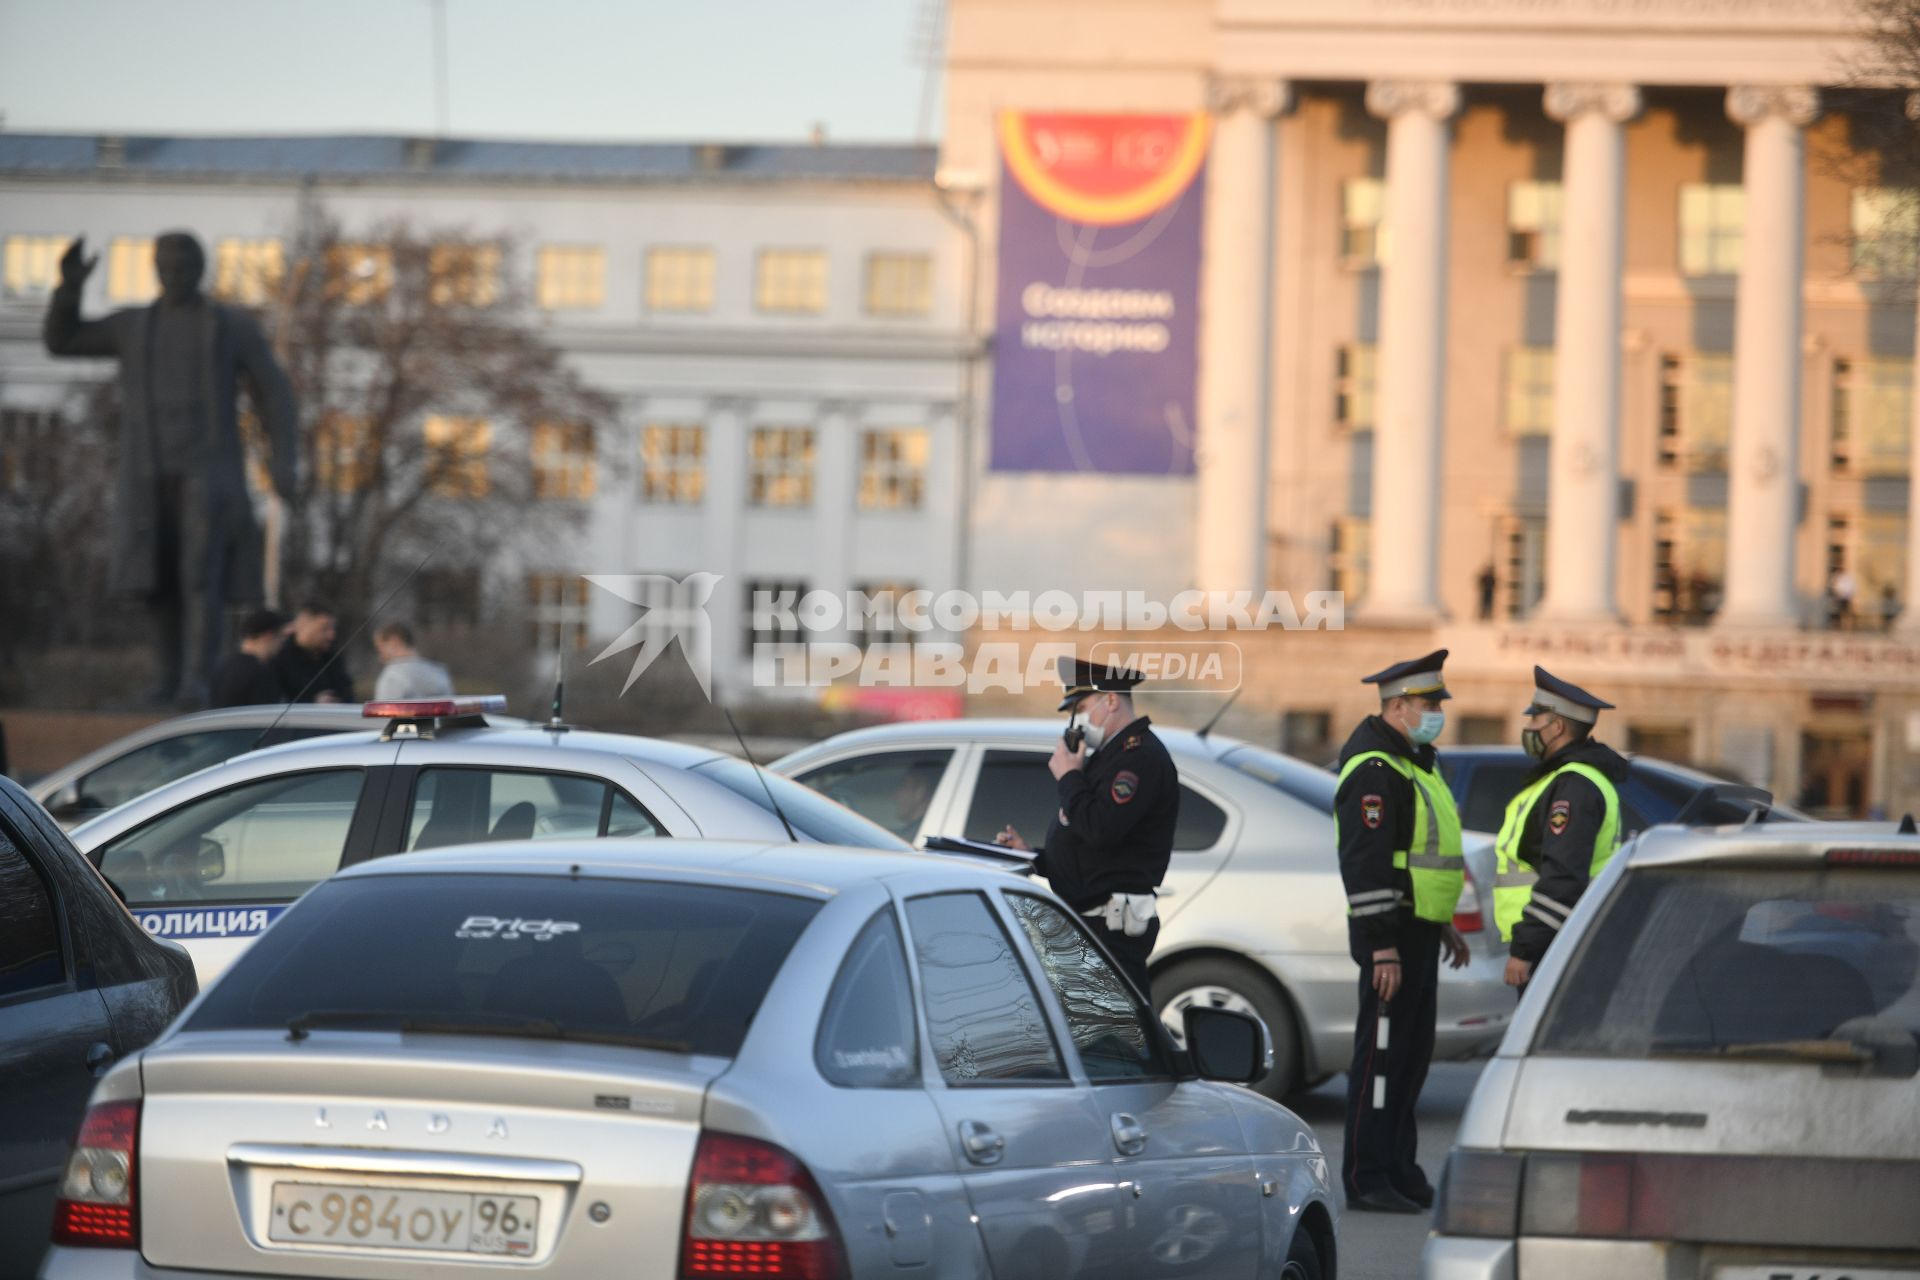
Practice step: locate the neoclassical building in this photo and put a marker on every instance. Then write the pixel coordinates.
(1569, 331)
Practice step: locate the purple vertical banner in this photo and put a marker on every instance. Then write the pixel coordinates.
(1097, 319)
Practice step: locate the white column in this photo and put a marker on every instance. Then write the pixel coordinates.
(835, 493)
(1411, 401)
(722, 502)
(1237, 303)
(1583, 487)
(1764, 475)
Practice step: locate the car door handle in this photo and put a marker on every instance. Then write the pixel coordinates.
(1129, 1135)
(981, 1143)
(99, 1057)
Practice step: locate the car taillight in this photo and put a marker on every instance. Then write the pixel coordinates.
(754, 1210)
(1467, 920)
(1480, 1195)
(97, 1206)
(1874, 857)
(1590, 1196)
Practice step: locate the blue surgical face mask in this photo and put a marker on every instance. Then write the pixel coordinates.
(1431, 723)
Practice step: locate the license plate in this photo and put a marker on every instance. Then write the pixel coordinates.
(1802, 1271)
(310, 1213)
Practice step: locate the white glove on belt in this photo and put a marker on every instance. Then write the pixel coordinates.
(1130, 913)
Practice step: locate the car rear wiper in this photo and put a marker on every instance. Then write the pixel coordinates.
(474, 1024)
(1838, 1051)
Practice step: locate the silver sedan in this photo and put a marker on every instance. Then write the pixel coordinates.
(694, 1058)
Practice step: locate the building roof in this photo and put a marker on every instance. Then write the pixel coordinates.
(350, 157)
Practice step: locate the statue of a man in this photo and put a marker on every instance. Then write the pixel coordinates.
(184, 536)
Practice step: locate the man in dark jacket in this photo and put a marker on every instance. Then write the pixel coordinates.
(1402, 865)
(243, 678)
(307, 666)
(1108, 847)
(1561, 830)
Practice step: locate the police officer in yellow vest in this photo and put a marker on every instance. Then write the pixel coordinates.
(1561, 829)
(1401, 863)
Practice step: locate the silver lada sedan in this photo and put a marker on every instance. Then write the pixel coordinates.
(694, 1059)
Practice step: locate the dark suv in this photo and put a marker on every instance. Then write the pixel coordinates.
(1484, 779)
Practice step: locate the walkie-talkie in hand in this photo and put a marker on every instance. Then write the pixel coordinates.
(1074, 736)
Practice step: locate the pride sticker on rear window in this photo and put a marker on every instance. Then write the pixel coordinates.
(514, 929)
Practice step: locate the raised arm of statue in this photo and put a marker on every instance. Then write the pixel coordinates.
(273, 401)
(66, 334)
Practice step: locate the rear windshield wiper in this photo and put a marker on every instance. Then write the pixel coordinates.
(473, 1024)
(1784, 1050)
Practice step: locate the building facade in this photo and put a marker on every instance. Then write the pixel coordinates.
(781, 329)
(1579, 332)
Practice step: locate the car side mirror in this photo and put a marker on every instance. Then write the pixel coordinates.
(209, 861)
(1227, 1046)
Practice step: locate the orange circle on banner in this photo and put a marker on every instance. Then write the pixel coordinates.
(1103, 170)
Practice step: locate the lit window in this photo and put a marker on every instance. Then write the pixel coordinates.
(130, 274)
(1689, 563)
(899, 284)
(464, 275)
(673, 463)
(359, 274)
(1352, 539)
(1696, 410)
(343, 453)
(780, 467)
(879, 618)
(1530, 391)
(563, 460)
(770, 610)
(679, 279)
(1872, 416)
(1522, 573)
(571, 277)
(893, 469)
(791, 280)
(1713, 224)
(1363, 222)
(1881, 560)
(1533, 225)
(557, 611)
(1353, 383)
(457, 456)
(248, 272)
(33, 265)
(1886, 227)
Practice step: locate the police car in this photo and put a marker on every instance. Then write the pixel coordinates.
(211, 860)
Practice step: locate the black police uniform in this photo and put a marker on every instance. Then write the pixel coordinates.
(1374, 810)
(1113, 832)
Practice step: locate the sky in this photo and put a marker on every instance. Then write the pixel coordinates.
(724, 70)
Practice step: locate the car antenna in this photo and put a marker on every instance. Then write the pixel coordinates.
(341, 648)
(555, 724)
(1207, 728)
(765, 785)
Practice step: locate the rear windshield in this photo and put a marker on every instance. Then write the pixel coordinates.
(1710, 959)
(671, 965)
(1312, 787)
(814, 817)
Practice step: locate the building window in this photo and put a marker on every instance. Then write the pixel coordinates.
(668, 608)
(899, 284)
(1672, 743)
(1689, 563)
(880, 620)
(1363, 223)
(893, 469)
(447, 597)
(343, 453)
(1886, 231)
(771, 602)
(792, 281)
(679, 279)
(33, 265)
(248, 272)
(563, 460)
(673, 463)
(1872, 416)
(1347, 558)
(1307, 735)
(1882, 567)
(1713, 223)
(570, 277)
(780, 467)
(1696, 410)
(359, 274)
(1353, 384)
(1533, 225)
(130, 274)
(24, 437)
(1484, 731)
(464, 275)
(557, 611)
(457, 456)
(1530, 391)
(1522, 564)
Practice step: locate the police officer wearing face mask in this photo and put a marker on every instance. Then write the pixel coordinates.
(1403, 869)
(1561, 830)
(1108, 846)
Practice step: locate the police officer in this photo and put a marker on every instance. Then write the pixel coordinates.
(1108, 846)
(1401, 864)
(1561, 830)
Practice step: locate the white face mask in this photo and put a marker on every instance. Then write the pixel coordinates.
(1094, 734)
